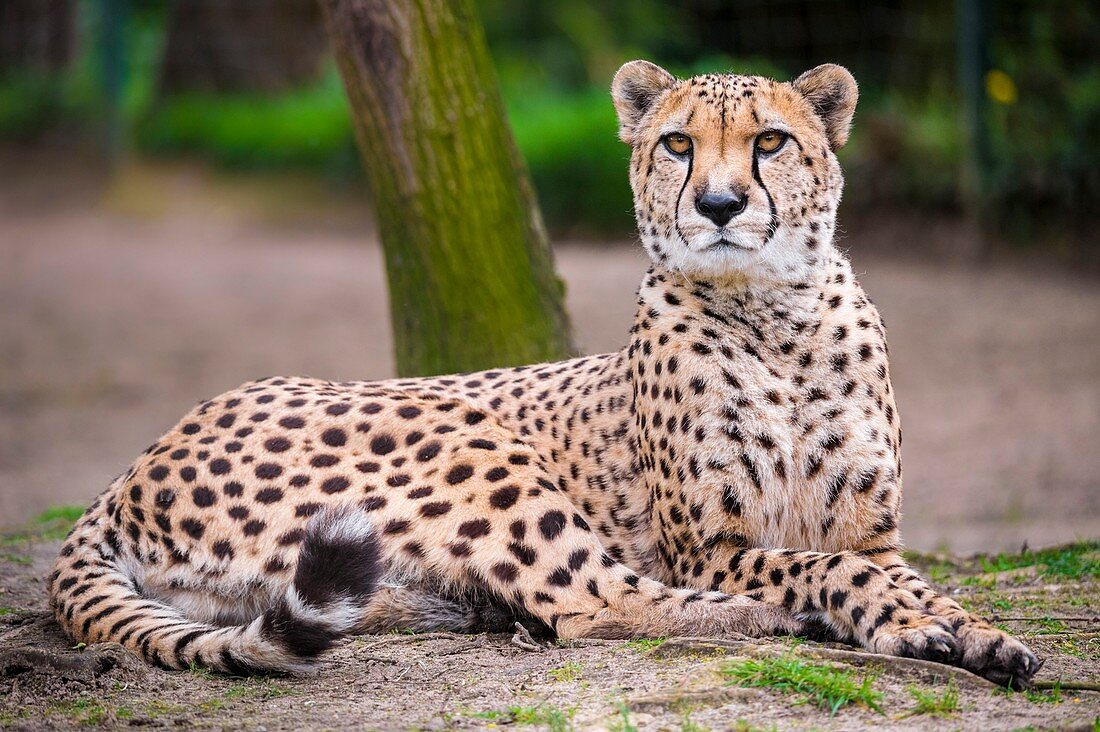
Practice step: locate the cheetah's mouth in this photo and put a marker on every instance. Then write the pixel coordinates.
(724, 243)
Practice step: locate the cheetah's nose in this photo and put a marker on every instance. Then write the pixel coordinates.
(721, 207)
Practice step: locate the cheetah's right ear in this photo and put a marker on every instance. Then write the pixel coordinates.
(636, 87)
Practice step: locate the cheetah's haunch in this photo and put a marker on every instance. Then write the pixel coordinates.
(736, 468)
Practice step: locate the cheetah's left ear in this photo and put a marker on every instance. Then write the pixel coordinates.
(636, 87)
(832, 92)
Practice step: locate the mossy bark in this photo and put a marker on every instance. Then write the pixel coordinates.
(470, 270)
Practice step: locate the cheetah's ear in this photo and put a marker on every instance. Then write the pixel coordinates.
(832, 92)
(636, 87)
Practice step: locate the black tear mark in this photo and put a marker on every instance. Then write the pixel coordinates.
(680, 195)
(773, 225)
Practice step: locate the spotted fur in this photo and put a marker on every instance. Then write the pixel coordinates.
(735, 468)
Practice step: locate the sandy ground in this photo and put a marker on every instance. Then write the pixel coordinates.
(442, 681)
(123, 303)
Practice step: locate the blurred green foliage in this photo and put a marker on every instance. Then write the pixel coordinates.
(555, 61)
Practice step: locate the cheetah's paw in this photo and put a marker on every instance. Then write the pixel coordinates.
(925, 637)
(996, 655)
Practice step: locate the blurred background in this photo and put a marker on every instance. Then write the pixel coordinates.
(182, 209)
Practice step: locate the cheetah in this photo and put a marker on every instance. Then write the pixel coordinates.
(734, 469)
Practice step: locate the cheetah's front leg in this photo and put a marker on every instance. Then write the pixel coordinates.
(855, 597)
(984, 650)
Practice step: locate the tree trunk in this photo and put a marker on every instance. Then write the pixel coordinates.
(471, 274)
(242, 45)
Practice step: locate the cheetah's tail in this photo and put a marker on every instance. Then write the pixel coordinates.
(95, 600)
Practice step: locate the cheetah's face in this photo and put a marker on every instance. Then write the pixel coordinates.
(735, 176)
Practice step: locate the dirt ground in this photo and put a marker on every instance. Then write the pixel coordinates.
(442, 681)
(124, 302)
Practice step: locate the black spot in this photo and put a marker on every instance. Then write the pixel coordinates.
(525, 554)
(277, 444)
(268, 471)
(269, 495)
(396, 526)
(483, 444)
(475, 528)
(382, 445)
(303, 510)
(435, 508)
(324, 460)
(335, 484)
(372, 503)
(505, 572)
(190, 428)
(577, 559)
(459, 473)
(203, 497)
(503, 498)
(551, 524)
(292, 423)
(334, 437)
(193, 528)
(560, 577)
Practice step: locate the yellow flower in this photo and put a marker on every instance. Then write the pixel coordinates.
(1000, 87)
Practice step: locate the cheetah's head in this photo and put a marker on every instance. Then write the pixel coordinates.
(735, 176)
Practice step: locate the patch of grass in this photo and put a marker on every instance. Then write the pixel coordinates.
(87, 711)
(1049, 626)
(1088, 650)
(255, 689)
(825, 686)
(16, 558)
(1036, 696)
(622, 723)
(687, 725)
(1078, 561)
(5, 610)
(53, 524)
(567, 672)
(943, 704)
(939, 572)
(557, 720)
(641, 645)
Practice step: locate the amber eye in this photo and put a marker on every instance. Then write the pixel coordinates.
(677, 143)
(770, 141)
